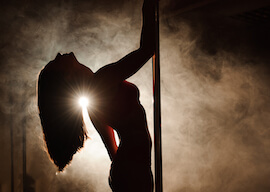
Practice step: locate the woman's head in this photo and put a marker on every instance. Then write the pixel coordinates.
(60, 84)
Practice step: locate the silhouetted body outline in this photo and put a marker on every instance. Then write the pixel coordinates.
(116, 106)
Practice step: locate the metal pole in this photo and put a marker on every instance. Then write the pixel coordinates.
(11, 146)
(24, 155)
(157, 109)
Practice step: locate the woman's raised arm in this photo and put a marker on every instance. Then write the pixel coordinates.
(131, 63)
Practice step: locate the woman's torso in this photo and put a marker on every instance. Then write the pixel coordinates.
(125, 114)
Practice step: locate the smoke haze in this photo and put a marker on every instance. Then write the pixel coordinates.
(215, 94)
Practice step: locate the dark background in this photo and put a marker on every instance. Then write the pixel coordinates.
(215, 74)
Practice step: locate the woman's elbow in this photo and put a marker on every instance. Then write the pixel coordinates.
(148, 44)
(148, 51)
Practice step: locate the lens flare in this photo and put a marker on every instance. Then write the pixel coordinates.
(85, 104)
(83, 101)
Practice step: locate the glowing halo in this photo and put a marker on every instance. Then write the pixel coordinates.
(83, 102)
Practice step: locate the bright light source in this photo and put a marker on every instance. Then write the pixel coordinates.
(83, 101)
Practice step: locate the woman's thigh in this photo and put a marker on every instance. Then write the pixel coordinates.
(131, 177)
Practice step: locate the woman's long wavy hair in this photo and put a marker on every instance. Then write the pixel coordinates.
(60, 115)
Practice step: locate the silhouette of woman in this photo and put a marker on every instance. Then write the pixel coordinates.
(116, 106)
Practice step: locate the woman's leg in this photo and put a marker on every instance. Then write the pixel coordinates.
(133, 177)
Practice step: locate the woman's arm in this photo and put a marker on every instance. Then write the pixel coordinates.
(131, 63)
(107, 136)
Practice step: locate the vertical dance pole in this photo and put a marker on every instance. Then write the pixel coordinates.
(24, 155)
(157, 109)
(11, 146)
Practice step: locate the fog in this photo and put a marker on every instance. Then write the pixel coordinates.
(214, 90)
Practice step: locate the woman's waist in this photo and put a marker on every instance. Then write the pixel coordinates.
(121, 119)
(133, 154)
(135, 138)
